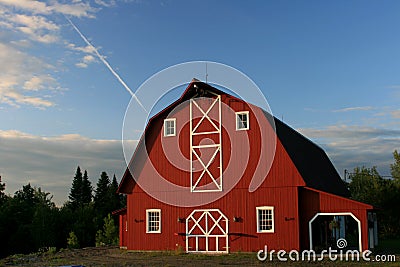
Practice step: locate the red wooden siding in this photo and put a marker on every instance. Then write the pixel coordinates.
(313, 201)
(239, 203)
(123, 223)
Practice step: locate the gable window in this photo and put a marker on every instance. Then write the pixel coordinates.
(170, 127)
(242, 120)
(265, 219)
(153, 221)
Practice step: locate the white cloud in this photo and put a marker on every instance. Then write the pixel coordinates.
(29, 24)
(76, 9)
(105, 3)
(354, 109)
(37, 83)
(81, 65)
(396, 114)
(346, 131)
(21, 75)
(50, 162)
(85, 49)
(34, 22)
(88, 58)
(352, 146)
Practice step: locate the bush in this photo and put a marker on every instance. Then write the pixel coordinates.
(72, 241)
(109, 235)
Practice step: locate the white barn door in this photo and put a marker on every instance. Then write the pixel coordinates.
(205, 144)
(207, 232)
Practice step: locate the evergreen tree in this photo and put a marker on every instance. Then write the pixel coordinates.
(86, 189)
(116, 199)
(3, 196)
(75, 195)
(395, 167)
(101, 192)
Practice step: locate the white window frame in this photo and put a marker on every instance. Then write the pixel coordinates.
(165, 127)
(148, 231)
(237, 120)
(270, 208)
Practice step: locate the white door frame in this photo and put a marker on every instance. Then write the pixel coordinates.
(207, 231)
(216, 178)
(335, 214)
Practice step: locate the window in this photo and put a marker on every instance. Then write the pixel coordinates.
(242, 120)
(169, 127)
(265, 219)
(153, 221)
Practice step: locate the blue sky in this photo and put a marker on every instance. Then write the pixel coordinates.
(331, 69)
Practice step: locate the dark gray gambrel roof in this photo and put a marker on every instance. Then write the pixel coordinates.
(310, 160)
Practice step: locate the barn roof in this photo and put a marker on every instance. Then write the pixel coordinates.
(310, 160)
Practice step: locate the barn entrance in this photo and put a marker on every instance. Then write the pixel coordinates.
(335, 230)
(207, 231)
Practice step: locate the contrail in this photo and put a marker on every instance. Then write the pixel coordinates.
(101, 57)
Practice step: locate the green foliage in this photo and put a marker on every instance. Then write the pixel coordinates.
(72, 240)
(86, 189)
(3, 196)
(368, 186)
(101, 197)
(106, 199)
(395, 167)
(109, 234)
(81, 190)
(75, 195)
(30, 221)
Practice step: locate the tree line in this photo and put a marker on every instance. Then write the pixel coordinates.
(368, 186)
(30, 220)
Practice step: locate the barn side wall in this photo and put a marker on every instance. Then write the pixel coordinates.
(238, 203)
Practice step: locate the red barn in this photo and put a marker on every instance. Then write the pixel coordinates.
(215, 174)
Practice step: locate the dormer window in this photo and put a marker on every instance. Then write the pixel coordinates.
(170, 127)
(242, 120)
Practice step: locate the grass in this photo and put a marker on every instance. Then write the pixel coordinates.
(113, 256)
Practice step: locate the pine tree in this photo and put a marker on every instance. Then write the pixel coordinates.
(86, 189)
(2, 194)
(101, 192)
(395, 167)
(75, 195)
(116, 199)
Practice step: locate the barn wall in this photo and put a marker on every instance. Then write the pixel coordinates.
(313, 201)
(123, 219)
(238, 203)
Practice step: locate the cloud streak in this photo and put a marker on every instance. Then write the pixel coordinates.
(105, 62)
(366, 108)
